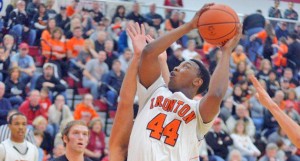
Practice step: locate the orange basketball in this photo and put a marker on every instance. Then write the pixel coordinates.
(218, 24)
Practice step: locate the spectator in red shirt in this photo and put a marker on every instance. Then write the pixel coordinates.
(31, 107)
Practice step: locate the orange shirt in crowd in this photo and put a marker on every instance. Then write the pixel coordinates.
(279, 60)
(263, 36)
(57, 46)
(237, 58)
(46, 36)
(84, 112)
(70, 11)
(75, 45)
(207, 47)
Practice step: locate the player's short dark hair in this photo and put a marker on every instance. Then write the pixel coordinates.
(15, 114)
(68, 127)
(204, 75)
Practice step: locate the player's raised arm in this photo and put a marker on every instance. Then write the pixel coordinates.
(149, 69)
(290, 127)
(210, 104)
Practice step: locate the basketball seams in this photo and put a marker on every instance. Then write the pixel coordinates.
(236, 21)
(222, 36)
(217, 23)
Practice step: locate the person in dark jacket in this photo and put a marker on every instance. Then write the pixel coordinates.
(48, 80)
(293, 55)
(5, 105)
(253, 23)
(218, 140)
(62, 20)
(111, 54)
(112, 82)
(15, 89)
(135, 14)
(4, 64)
(153, 17)
(176, 58)
(32, 8)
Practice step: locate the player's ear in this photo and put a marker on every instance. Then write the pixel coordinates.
(197, 82)
(65, 139)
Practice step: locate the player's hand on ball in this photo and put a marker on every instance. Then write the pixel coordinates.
(233, 42)
(138, 37)
(194, 21)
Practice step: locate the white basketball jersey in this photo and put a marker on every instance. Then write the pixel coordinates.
(168, 126)
(12, 154)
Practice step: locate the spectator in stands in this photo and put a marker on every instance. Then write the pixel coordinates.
(31, 108)
(40, 20)
(289, 76)
(120, 13)
(24, 62)
(272, 84)
(257, 113)
(85, 110)
(190, 52)
(271, 153)
(45, 100)
(241, 114)
(226, 109)
(59, 112)
(71, 9)
(15, 88)
(173, 22)
(237, 94)
(290, 110)
(111, 84)
(96, 12)
(9, 44)
(235, 155)
(282, 48)
(291, 14)
(253, 24)
(110, 53)
(154, 18)
(242, 142)
(270, 124)
(32, 8)
(176, 58)
(125, 59)
(62, 20)
(293, 55)
(238, 56)
(173, 3)
(99, 43)
(281, 30)
(218, 140)
(135, 14)
(292, 98)
(48, 80)
(240, 73)
(96, 147)
(38, 137)
(264, 70)
(275, 12)
(46, 34)
(216, 57)
(75, 44)
(93, 73)
(19, 24)
(297, 31)
(4, 64)
(5, 105)
(40, 124)
(87, 23)
(49, 9)
(5, 131)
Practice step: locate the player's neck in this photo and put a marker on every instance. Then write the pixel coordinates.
(188, 93)
(74, 155)
(17, 140)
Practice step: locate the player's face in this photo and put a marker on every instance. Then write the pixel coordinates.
(18, 127)
(77, 138)
(185, 76)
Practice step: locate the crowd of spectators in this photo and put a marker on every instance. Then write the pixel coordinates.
(81, 42)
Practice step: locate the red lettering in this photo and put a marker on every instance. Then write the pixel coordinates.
(159, 100)
(179, 103)
(152, 101)
(170, 105)
(166, 102)
(184, 110)
(191, 116)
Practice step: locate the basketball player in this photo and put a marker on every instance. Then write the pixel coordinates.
(290, 127)
(170, 124)
(16, 147)
(75, 137)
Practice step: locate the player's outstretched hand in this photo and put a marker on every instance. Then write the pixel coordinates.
(194, 21)
(261, 94)
(138, 37)
(233, 42)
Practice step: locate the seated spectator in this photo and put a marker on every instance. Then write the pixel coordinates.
(226, 109)
(4, 64)
(271, 153)
(99, 43)
(40, 20)
(235, 155)
(176, 58)
(153, 17)
(5, 131)
(40, 124)
(135, 14)
(93, 73)
(270, 124)
(173, 22)
(39, 137)
(48, 80)
(47, 33)
(45, 100)
(279, 99)
(24, 62)
(214, 60)
(257, 113)
(293, 56)
(31, 107)
(125, 59)
(297, 31)
(110, 53)
(237, 94)
(243, 143)
(290, 110)
(19, 24)
(15, 88)
(87, 23)
(49, 9)
(282, 49)
(240, 73)
(218, 140)
(59, 112)
(5, 105)
(272, 84)
(96, 12)
(124, 40)
(190, 52)
(71, 9)
(75, 44)
(289, 76)
(85, 110)
(241, 114)
(293, 100)
(9, 45)
(96, 147)
(32, 8)
(281, 30)
(264, 70)
(111, 84)
(62, 20)
(238, 56)
(120, 13)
